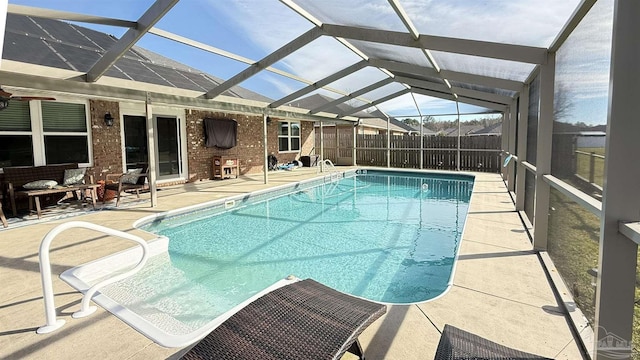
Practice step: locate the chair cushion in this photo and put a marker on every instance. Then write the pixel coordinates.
(73, 176)
(131, 176)
(40, 184)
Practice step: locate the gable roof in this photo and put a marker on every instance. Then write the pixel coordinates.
(495, 129)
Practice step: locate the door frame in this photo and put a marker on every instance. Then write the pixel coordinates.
(139, 109)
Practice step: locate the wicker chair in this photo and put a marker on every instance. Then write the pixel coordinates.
(303, 320)
(120, 184)
(457, 344)
(3, 219)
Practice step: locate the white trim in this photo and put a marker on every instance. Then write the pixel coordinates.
(37, 132)
(179, 115)
(289, 136)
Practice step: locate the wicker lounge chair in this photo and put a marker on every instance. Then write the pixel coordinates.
(457, 344)
(303, 320)
(127, 182)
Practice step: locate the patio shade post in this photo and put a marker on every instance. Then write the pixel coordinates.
(321, 147)
(458, 145)
(337, 143)
(266, 149)
(151, 148)
(616, 282)
(388, 142)
(355, 137)
(543, 153)
(504, 145)
(521, 151)
(511, 168)
(421, 143)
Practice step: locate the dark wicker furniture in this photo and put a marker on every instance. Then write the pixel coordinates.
(115, 183)
(457, 344)
(303, 320)
(16, 177)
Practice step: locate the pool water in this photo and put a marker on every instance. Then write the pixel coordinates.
(385, 236)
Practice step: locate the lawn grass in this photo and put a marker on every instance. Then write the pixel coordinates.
(573, 245)
(583, 165)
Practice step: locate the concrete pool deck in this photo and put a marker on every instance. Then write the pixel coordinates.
(500, 291)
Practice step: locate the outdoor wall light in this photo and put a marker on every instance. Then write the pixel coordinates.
(268, 120)
(108, 119)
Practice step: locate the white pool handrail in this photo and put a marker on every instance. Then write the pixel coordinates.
(52, 323)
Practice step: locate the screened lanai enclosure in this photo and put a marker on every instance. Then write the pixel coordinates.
(563, 75)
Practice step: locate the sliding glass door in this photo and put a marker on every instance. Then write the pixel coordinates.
(135, 140)
(169, 153)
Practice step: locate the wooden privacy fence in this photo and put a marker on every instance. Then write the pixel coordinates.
(477, 153)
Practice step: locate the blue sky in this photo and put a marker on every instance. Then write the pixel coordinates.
(254, 28)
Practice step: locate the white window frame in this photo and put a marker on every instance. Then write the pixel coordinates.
(37, 132)
(139, 109)
(289, 137)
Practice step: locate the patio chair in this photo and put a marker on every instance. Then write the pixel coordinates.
(303, 320)
(457, 344)
(3, 219)
(133, 180)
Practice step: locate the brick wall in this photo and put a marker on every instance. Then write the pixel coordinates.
(107, 146)
(249, 148)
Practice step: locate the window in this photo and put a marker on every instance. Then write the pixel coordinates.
(43, 132)
(65, 133)
(289, 137)
(16, 146)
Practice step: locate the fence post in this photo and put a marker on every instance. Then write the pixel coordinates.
(592, 166)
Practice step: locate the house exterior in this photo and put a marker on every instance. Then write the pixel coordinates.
(73, 127)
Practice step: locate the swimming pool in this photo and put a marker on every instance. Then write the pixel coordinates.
(386, 236)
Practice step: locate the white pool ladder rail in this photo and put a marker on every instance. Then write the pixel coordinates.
(45, 272)
(326, 165)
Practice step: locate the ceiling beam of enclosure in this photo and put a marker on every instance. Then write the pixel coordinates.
(416, 36)
(155, 12)
(388, 67)
(353, 95)
(70, 16)
(375, 102)
(397, 67)
(483, 95)
(519, 53)
(65, 15)
(320, 83)
(268, 60)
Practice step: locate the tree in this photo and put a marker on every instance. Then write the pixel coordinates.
(410, 121)
(562, 104)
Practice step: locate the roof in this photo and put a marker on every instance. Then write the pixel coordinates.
(495, 129)
(62, 45)
(464, 130)
(425, 130)
(373, 53)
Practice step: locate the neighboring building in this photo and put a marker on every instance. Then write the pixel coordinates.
(415, 130)
(495, 129)
(464, 130)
